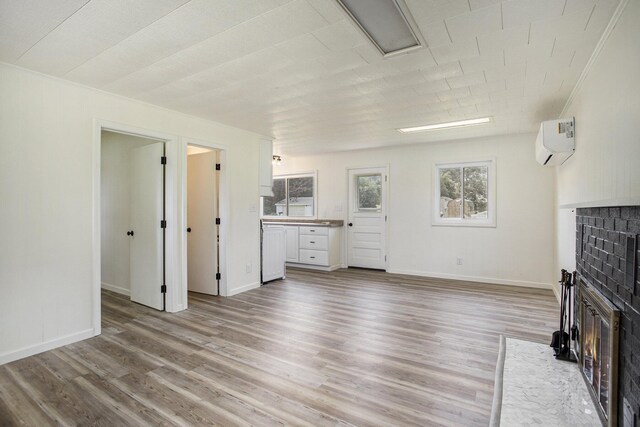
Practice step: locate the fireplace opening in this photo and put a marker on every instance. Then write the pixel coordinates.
(598, 349)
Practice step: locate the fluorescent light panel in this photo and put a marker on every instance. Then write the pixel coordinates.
(387, 23)
(458, 124)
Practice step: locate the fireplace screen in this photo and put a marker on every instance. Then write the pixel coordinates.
(599, 349)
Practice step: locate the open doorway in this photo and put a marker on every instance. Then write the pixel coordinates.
(203, 220)
(132, 211)
(172, 223)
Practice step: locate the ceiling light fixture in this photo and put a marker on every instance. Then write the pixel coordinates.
(276, 160)
(457, 124)
(387, 23)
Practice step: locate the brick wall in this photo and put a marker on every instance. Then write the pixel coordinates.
(607, 253)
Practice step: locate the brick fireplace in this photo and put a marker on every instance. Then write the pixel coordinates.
(607, 253)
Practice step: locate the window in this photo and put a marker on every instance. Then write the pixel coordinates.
(293, 196)
(465, 194)
(369, 192)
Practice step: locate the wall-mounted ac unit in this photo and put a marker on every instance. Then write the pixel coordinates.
(555, 142)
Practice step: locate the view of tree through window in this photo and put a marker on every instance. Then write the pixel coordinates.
(279, 193)
(292, 197)
(469, 183)
(475, 191)
(369, 191)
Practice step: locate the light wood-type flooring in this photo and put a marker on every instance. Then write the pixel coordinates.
(352, 347)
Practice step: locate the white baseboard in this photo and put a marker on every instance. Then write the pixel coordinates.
(45, 346)
(116, 289)
(556, 291)
(244, 288)
(490, 280)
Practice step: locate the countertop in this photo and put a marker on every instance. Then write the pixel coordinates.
(316, 222)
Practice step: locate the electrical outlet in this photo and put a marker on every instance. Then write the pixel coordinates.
(459, 261)
(248, 268)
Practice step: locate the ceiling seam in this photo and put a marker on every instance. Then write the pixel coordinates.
(53, 29)
(204, 41)
(128, 37)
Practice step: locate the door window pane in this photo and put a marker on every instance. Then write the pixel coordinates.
(369, 191)
(475, 192)
(450, 192)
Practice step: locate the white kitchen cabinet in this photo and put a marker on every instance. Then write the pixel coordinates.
(310, 246)
(266, 168)
(292, 243)
(273, 254)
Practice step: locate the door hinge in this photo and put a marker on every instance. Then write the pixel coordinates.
(385, 178)
(217, 221)
(163, 289)
(163, 223)
(218, 276)
(163, 160)
(217, 166)
(385, 258)
(385, 218)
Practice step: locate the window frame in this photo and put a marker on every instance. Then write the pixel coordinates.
(314, 176)
(490, 221)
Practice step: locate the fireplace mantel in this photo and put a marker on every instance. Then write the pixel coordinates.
(608, 203)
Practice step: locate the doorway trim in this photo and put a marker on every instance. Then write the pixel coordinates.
(386, 185)
(172, 279)
(223, 211)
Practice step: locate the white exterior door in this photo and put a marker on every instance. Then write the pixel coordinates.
(366, 227)
(147, 199)
(202, 211)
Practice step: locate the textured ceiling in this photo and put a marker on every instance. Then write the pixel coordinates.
(299, 71)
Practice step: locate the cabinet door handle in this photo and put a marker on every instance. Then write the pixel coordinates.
(312, 257)
(311, 242)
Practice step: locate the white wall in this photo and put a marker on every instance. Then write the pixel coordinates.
(115, 190)
(518, 251)
(604, 169)
(46, 139)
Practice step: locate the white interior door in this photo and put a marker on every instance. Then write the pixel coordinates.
(147, 205)
(202, 210)
(366, 227)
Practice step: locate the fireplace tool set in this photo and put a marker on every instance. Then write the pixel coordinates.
(561, 338)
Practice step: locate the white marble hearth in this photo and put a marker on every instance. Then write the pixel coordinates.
(538, 390)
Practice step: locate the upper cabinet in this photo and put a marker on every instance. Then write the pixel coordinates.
(266, 168)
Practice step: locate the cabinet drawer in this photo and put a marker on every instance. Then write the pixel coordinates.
(314, 231)
(314, 242)
(310, 256)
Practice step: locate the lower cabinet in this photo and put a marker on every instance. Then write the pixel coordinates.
(292, 243)
(313, 247)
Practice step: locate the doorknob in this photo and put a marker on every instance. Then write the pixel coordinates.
(188, 229)
(350, 224)
(130, 233)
